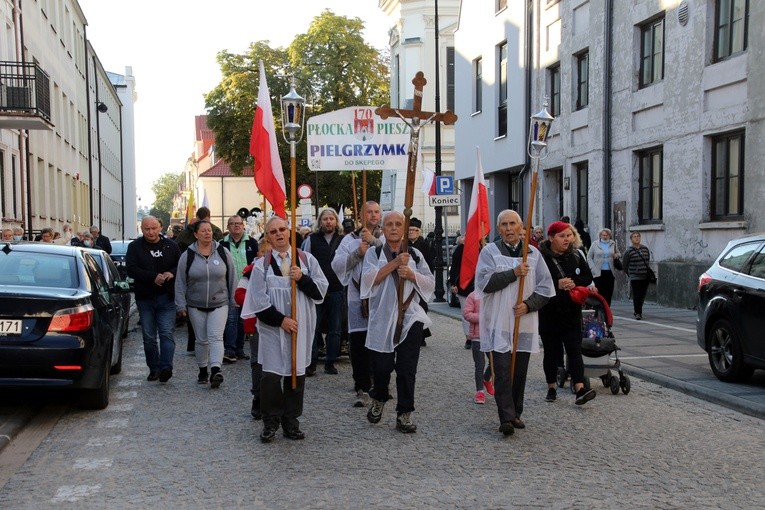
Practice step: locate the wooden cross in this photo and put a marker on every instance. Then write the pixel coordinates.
(416, 119)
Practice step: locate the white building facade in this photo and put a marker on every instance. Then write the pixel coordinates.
(658, 126)
(60, 130)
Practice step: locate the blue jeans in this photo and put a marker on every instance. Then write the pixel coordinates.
(158, 318)
(233, 335)
(332, 308)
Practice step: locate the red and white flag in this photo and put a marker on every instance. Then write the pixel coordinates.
(269, 176)
(477, 224)
(428, 182)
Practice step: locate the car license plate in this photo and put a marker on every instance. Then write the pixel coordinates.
(10, 327)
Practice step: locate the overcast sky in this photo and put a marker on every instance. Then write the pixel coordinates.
(171, 46)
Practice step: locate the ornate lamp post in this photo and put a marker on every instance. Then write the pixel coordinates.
(293, 122)
(539, 129)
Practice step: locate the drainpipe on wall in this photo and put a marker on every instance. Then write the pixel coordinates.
(26, 192)
(90, 134)
(122, 175)
(607, 88)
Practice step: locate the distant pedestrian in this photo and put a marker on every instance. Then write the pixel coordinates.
(46, 235)
(100, 241)
(7, 234)
(152, 261)
(602, 259)
(483, 378)
(635, 263)
(462, 293)
(204, 290)
(18, 234)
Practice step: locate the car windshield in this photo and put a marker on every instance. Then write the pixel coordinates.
(119, 248)
(37, 270)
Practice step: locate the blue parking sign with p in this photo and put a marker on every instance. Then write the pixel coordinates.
(444, 185)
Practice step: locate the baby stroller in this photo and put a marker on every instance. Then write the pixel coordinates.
(598, 348)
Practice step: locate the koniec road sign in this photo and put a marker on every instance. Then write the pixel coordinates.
(444, 200)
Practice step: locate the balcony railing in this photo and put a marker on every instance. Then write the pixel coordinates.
(24, 92)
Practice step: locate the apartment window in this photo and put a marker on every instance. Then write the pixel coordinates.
(652, 52)
(582, 80)
(450, 78)
(3, 185)
(478, 84)
(502, 82)
(582, 191)
(14, 187)
(731, 22)
(554, 73)
(650, 183)
(727, 176)
(501, 4)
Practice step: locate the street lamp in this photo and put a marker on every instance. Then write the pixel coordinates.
(293, 120)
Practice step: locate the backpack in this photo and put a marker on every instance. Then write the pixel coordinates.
(190, 260)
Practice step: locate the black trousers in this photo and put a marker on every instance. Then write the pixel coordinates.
(360, 361)
(403, 360)
(255, 367)
(509, 395)
(279, 403)
(605, 285)
(639, 290)
(554, 344)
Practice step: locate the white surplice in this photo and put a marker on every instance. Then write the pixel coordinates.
(349, 273)
(383, 299)
(497, 321)
(265, 289)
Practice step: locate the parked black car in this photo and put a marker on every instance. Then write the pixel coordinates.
(114, 279)
(731, 311)
(119, 251)
(59, 321)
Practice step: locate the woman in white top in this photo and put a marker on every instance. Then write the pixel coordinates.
(601, 258)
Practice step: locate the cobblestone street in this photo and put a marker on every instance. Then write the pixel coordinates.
(182, 445)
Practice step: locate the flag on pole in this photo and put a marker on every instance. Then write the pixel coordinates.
(477, 224)
(428, 181)
(205, 202)
(269, 176)
(190, 210)
(341, 216)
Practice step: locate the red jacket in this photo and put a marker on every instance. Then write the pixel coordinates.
(240, 293)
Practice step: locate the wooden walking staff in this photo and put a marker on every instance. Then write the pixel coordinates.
(415, 122)
(292, 129)
(538, 130)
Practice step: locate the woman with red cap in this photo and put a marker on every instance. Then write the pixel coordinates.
(560, 320)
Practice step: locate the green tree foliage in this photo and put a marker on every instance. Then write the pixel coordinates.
(333, 67)
(165, 189)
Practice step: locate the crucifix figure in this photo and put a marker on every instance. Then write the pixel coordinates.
(415, 119)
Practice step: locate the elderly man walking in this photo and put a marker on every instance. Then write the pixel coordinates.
(384, 268)
(500, 267)
(269, 298)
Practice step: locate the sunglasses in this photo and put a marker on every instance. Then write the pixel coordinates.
(275, 231)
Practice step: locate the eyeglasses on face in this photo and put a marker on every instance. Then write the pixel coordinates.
(235, 224)
(275, 231)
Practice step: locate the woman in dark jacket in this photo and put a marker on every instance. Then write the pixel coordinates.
(560, 320)
(635, 263)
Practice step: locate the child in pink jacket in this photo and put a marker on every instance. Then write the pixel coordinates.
(482, 377)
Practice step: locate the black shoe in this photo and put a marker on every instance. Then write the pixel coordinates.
(330, 369)
(203, 376)
(295, 434)
(153, 376)
(551, 395)
(507, 428)
(242, 356)
(584, 395)
(468, 344)
(216, 379)
(423, 343)
(229, 359)
(518, 424)
(310, 370)
(255, 411)
(165, 374)
(267, 435)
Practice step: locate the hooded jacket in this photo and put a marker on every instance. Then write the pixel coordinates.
(208, 284)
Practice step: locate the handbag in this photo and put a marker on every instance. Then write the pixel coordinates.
(649, 272)
(618, 264)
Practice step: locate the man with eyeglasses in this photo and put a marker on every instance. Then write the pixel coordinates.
(243, 250)
(269, 298)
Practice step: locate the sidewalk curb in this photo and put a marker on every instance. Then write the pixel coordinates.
(730, 401)
(15, 423)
